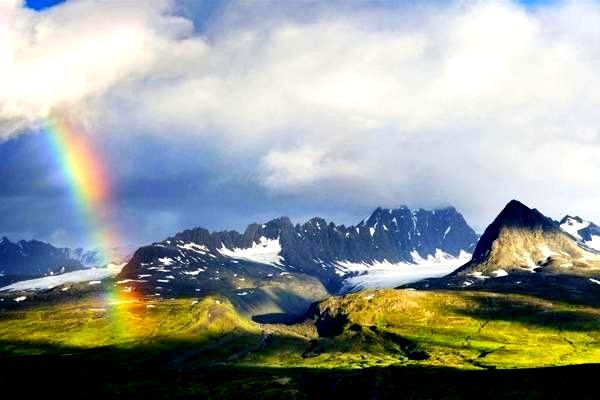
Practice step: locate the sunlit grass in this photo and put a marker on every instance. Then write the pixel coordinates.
(464, 330)
(93, 323)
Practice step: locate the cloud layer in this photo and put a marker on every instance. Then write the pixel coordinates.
(470, 103)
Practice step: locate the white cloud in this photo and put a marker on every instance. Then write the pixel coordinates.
(65, 57)
(470, 104)
(295, 169)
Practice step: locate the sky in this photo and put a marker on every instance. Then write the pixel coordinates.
(222, 113)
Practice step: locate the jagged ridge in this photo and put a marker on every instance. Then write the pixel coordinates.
(298, 261)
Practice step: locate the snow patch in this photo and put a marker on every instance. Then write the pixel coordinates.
(594, 243)
(596, 281)
(166, 261)
(478, 275)
(49, 282)
(266, 251)
(193, 273)
(195, 247)
(440, 257)
(447, 231)
(130, 280)
(383, 274)
(499, 273)
(572, 227)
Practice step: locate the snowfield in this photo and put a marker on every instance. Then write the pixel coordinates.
(380, 275)
(267, 251)
(92, 275)
(594, 243)
(572, 227)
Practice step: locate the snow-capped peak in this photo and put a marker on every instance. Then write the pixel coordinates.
(572, 225)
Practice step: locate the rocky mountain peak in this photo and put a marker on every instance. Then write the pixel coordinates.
(380, 215)
(517, 215)
(316, 222)
(522, 239)
(282, 222)
(317, 248)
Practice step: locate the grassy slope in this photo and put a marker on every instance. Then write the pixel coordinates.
(178, 349)
(474, 329)
(386, 327)
(92, 322)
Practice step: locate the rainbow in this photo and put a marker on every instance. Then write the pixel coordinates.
(84, 173)
(88, 182)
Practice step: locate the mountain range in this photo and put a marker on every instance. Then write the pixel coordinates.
(279, 267)
(28, 259)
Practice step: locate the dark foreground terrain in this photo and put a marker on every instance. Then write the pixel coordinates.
(111, 373)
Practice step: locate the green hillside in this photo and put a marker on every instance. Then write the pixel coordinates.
(364, 344)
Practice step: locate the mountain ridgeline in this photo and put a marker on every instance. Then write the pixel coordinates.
(268, 258)
(28, 259)
(316, 246)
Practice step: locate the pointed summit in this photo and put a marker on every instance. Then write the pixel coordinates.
(379, 215)
(515, 217)
(518, 215)
(522, 239)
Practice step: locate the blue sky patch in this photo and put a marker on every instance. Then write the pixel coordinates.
(39, 5)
